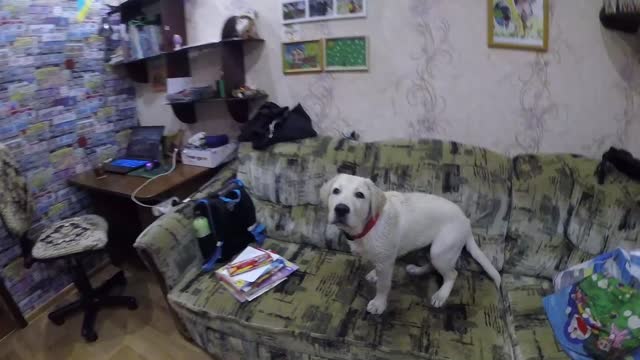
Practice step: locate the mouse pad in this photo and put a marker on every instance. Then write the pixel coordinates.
(149, 174)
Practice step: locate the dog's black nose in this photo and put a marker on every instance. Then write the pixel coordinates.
(341, 210)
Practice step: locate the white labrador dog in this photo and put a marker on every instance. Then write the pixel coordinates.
(387, 225)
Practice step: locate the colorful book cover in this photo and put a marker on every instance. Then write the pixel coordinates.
(284, 273)
(264, 290)
(235, 284)
(238, 281)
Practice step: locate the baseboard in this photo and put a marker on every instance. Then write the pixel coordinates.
(6, 336)
(69, 291)
(45, 308)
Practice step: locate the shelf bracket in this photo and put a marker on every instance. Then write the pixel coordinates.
(185, 112)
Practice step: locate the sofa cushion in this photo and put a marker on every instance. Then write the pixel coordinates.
(531, 333)
(321, 311)
(285, 180)
(561, 216)
(291, 173)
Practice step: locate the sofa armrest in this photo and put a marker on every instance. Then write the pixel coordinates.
(169, 246)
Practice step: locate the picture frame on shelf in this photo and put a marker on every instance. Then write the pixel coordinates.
(350, 53)
(521, 25)
(302, 57)
(297, 11)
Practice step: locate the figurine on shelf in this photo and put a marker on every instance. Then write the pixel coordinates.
(177, 42)
(246, 92)
(241, 27)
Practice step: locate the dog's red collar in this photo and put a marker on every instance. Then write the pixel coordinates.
(370, 224)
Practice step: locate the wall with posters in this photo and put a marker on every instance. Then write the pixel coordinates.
(61, 111)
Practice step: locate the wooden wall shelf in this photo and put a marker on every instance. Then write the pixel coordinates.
(172, 21)
(238, 107)
(211, 45)
(131, 4)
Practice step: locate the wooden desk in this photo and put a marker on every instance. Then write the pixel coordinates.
(111, 198)
(157, 190)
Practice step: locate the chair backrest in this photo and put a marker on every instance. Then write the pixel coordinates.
(16, 203)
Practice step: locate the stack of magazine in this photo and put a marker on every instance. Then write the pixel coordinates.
(253, 272)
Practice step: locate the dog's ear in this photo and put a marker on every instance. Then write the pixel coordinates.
(378, 198)
(325, 190)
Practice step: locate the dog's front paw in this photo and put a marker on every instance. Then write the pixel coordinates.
(372, 277)
(377, 306)
(439, 298)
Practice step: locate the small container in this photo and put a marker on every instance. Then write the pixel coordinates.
(177, 42)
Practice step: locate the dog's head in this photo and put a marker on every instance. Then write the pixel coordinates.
(352, 201)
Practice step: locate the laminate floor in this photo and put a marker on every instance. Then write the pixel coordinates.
(147, 333)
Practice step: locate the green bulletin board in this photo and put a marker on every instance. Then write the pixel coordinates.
(346, 54)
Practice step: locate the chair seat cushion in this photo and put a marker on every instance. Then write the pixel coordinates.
(321, 311)
(71, 236)
(531, 333)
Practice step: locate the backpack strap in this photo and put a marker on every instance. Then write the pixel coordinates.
(210, 264)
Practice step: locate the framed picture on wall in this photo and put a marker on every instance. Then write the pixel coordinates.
(295, 11)
(346, 54)
(518, 24)
(350, 8)
(302, 57)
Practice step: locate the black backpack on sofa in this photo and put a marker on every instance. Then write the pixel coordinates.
(231, 223)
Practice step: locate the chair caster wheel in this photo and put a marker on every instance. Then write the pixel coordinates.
(56, 321)
(132, 304)
(90, 336)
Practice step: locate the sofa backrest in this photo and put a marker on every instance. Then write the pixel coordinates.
(284, 182)
(561, 216)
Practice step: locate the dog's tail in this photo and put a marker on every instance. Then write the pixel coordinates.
(482, 259)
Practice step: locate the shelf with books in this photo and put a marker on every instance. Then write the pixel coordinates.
(171, 19)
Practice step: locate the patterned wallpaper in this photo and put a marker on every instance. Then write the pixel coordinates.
(432, 75)
(61, 111)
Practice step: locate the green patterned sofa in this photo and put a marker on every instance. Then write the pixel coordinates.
(532, 215)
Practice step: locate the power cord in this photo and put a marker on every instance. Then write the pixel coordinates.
(173, 167)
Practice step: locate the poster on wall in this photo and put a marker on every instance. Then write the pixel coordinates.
(302, 57)
(519, 24)
(295, 11)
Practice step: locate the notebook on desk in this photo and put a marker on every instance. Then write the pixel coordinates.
(145, 145)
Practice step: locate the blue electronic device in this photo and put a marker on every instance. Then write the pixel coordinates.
(145, 145)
